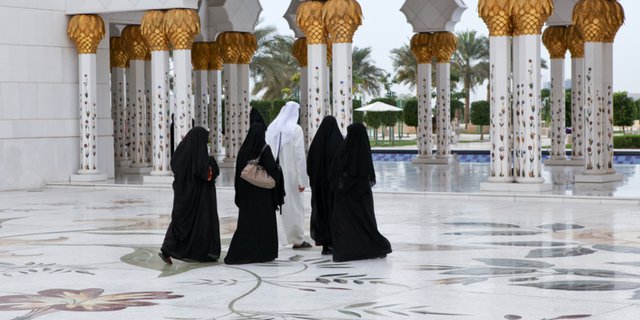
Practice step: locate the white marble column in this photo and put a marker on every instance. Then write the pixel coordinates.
(232, 127)
(215, 111)
(317, 81)
(528, 102)
(342, 85)
(200, 80)
(500, 96)
(607, 79)
(558, 127)
(118, 100)
(183, 92)
(516, 118)
(138, 123)
(88, 114)
(577, 109)
(443, 110)
(161, 118)
(304, 106)
(148, 107)
(425, 126)
(244, 98)
(594, 109)
(87, 31)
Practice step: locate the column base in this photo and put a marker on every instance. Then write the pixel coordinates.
(500, 179)
(421, 158)
(136, 170)
(444, 156)
(161, 173)
(600, 178)
(227, 163)
(157, 180)
(95, 177)
(565, 162)
(515, 187)
(426, 160)
(122, 163)
(140, 165)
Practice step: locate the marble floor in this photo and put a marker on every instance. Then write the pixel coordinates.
(79, 253)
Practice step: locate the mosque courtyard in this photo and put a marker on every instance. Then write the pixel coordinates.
(90, 252)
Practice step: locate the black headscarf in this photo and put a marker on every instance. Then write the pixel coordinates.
(256, 117)
(353, 159)
(191, 158)
(323, 149)
(252, 147)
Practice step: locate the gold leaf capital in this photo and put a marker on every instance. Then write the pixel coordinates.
(444, 45)
(575, 42)
(421, 46)
(249, 47)
(496, 14)
(152, 29)
(555, 40)
(231, 45)
(299, 51)
(530, 15)
(342, 18)
(200, 56)
(134, 43)
(181, 27)
(86, 30)
(117, 56)
(309, 19)
(215, 58)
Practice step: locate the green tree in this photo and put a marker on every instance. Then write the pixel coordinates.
(367, 77)
(358, 116)
(273, 68)
(480, 115)
(411, 112)
(471, 63)
(373, 120)
(624, 110)
(545, 96)
(457, 105)
(405, 66)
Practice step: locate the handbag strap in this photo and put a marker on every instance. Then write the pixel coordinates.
(260, 155)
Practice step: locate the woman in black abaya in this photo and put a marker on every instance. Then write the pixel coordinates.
(256, 117)
(256, 237)
(321, 153)
(354, 229)
(194, 231)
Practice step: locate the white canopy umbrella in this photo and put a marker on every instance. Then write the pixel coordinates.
(379, 107)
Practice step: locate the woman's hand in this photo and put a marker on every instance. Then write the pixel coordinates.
(210, 175)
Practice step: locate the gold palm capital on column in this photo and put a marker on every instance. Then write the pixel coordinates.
(117, 55)
(496, 14)
(444, 46)
(529, 16)
(200, 55)
(215, 56)
(598, 20)
(231, 44)
(555, 40)
(86, 30)
(309, 19)
(152, 28)
(249, 47)
(575, 42)
(181, 27)
(299, 51)
(134, 43)
(422, 47)
(342, 18)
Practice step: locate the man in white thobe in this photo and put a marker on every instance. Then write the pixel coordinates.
(286, 139)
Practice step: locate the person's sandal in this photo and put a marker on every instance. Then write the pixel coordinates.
(303, 245)
(165, 257)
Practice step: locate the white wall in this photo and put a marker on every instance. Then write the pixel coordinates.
(39, 97)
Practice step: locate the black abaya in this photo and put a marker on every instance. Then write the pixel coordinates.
(354, 228)
(256, 236)
(256, 117)
(194, 231)
(321, 153)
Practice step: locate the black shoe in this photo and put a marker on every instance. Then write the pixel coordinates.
(327, 250)
(303, 245)
(165, 257)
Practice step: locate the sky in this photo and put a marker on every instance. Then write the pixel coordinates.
(385, 28)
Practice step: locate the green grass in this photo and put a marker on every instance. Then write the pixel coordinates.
(396, 143)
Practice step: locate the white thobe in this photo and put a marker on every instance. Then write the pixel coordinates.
(294, 169)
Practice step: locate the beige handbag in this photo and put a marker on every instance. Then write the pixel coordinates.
(257, 175)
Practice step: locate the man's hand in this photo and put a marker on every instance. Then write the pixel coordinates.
(300, 188)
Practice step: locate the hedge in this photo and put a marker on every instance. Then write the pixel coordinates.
(626, 142)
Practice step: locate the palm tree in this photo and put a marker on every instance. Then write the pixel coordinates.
(471, 62)
(367, 78)
(273, 68)
(405, 65)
